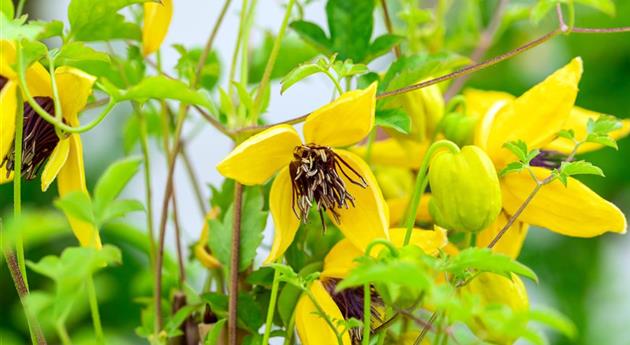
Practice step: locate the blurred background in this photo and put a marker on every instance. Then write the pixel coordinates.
(586, 279)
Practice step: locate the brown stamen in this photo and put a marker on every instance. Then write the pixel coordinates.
(315, 176)
(3, 82)
(39, 140)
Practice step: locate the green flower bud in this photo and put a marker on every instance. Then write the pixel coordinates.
(425, 107)
(459, 128)
(395, 182)
(466, 195)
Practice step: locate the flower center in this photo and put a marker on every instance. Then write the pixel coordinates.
(3, 82)
(316, 177)
(350, 303)
(548, 159)
(39, 140)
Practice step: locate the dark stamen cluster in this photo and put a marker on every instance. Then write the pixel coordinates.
(350, 303)
(38, 142)
(315, 176)
(3, 82)
(548, 159)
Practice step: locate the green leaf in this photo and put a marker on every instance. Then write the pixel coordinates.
(161, 87)
(243, 95)
(119, 208)
(347, 69)
(367, 79)
(540, 10)
(74, 53)
(518, 148)
(251, 316)
(603, 125)
(484, 260)
(554, 320)
(172, 326)
(252, 227)
(299, 73)
(112, 182)
(99, 20)
(605, 6)
(605, 140)
(213, 337)
(49, 29)
(408, 70)
(396, 119)
(350, 23)
(77, 204)
(567, 134)
(382, 45)
(187, 66)
(513, 167)
(580, 168)
(313, 34)
(293, 51)
(33, 51)
(18, 29)
(6, 7)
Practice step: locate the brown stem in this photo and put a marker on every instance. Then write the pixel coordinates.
(600, 30)
(210, 41)
(234, 263)
(389, 26)
(22, 291)
(484, 44)
(194, 180)
(178, 242)
(428, 325)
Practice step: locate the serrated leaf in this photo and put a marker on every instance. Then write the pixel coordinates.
(484, 260)
(603, 140)
(567, 134)
(72, 54)
(97, 20)
(313, 34)
(580, 168)
(161, 87)
(518, 148)
(18, 29)
(395, 272)
(396, 119)
(603, 125)
(513, 167)
(77, 204)
(350, 23)
(112, 182)
(382, 45)
(299, 73)
(49, 29)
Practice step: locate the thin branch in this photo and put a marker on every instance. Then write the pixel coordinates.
(485, 42)
(210, 41)
(600, 30)
(194, 180)
(563, 25)
(178, 242)
(234, 264)
(389, 26)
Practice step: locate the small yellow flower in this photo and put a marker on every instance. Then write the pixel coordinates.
(157, 18)
(202, 252)
(536, 117)
(311, 327)
(62, 159)
(316, 174)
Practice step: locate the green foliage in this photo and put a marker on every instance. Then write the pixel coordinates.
(293, 51)
(251, 321)
(524, 156)
(598, 131)
(188, 63)
(77, 54)
(484, 260)
(161, 87)
(396, 119)
(6, 7)
(543, 7)
(343, 69)
(99, 20)
(17, 29)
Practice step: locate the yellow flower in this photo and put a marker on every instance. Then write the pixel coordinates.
(157, 17)
(61, 158)
(536, 117)
(397, 152)
(311, 327)
(337, 181)
(202, 252)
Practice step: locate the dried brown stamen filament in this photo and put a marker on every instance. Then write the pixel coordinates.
(316, 179)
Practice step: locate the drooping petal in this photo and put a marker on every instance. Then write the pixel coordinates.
(38, 81)
(512, 240)
(345, 121)
(7, 59)
(577, 122)
(311, 326)
(157, 18)
(398, 206)
(537, 115)
(478, 102)
(8, 108)
(285, 221)
(430, 241)
(71, 178)
(340, 259)
(574, 210)
(56, 161)
(256, 159)
(201, 247)
(369, 218)
(395, 152)
(75, 86)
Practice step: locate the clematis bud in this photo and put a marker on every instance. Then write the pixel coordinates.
(459, 128)
(466, 195)
(425, 107)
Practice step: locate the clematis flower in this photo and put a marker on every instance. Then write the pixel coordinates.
(317, 173)
(61, 159)
(536, 117)
(157, 17)
(311, 327)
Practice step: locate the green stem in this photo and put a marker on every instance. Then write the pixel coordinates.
(62, 333)
(366, 314)
(334, 80)
(288, 339)
(571, 6)
(237, 48)
(421, 183)
(383, 242)
(272, 306)
(17, 183)
(264, 81)
(55, 91)
(20, 8)
(96, 317)
(369, 146)
(144, 144)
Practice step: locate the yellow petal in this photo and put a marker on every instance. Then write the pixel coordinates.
(369, 219)
(72, 178)
(7, 59)
(345, 121)
(395, 152)
(157, 18)
(311, 327)
(537, 115)
(38, 81)
(512, 240)
(478, 102)
(574, 210)
(256, 159)
(398, 206)
(285, 221)
(55, 163)
(577, 122)
(340, 259)
(201, 247)
(8, 108)
(430, 241)
(75, 86)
